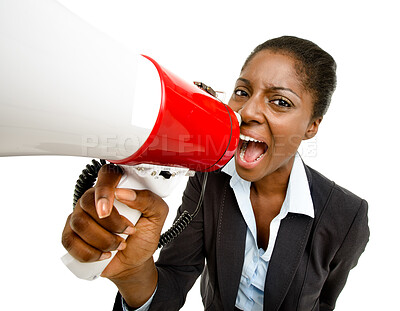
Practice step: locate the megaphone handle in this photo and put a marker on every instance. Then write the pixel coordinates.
(92, 270)
(139, 178)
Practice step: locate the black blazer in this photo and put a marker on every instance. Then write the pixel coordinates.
(310, 261)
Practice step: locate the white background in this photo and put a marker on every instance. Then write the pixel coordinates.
(357, 145)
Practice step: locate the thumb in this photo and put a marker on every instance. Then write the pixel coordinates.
(126, 195)
(145, 201)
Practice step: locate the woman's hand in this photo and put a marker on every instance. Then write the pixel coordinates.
(91, 232)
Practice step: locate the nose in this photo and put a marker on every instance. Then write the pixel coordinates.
(253, 110)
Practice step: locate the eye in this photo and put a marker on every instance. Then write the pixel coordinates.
(281, 102)
(240, 93)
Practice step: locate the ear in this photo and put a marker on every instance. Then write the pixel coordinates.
(312, 129)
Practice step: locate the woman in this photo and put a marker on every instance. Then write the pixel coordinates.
(275, 234)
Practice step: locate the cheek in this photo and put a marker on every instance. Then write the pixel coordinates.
(287, 135)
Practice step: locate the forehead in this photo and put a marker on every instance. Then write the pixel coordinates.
(273, 69)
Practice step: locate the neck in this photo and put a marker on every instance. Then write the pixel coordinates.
(275, 183)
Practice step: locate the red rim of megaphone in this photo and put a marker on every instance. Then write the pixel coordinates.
(193, 129)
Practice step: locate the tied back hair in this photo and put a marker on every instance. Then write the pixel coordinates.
(315, 67)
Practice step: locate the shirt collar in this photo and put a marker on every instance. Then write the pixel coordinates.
(298, 196)
(298, 192)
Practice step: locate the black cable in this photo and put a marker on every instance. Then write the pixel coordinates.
(88, 178)
(184, 220)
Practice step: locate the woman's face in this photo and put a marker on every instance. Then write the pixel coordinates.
(276, 115)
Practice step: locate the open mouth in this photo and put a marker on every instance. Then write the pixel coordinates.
(250, 149)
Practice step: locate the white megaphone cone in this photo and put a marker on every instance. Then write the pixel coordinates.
(68, 89)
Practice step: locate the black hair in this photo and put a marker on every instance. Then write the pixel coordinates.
(315, 67)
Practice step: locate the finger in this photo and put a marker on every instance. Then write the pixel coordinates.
(93, 234)
(107, 180)
(114, 223)
(78, 248)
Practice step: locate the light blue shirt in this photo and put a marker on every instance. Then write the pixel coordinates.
(297, 200)
(145, 307)
(250, 296)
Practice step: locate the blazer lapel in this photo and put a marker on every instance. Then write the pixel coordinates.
(231, 238)
(289, 248)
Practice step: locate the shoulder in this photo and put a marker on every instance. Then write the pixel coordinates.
(326, 188)
(212, 184)
(337, 209)
(214, 180)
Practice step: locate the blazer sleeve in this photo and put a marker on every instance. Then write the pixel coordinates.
(346, 258)
(181, 261)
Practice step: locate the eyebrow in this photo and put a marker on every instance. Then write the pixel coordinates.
(274, 88)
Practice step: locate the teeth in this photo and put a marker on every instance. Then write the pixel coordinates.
(261, 155)
(248, 138)
(242, 151)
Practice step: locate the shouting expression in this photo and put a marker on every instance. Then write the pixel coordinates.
(276, 112)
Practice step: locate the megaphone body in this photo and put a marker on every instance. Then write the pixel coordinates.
(68, 89)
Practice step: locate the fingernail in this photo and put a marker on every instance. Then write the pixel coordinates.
(121, 246)
(125, 194)
(129, 230)
(102, 208)
(104, 256)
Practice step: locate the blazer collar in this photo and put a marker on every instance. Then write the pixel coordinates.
(290, 244)
(231, 237)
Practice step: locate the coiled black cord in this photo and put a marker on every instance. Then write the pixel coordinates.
(88, 178)
(184, 220)
(176, 229)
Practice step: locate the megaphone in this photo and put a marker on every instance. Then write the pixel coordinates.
(68, 89)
